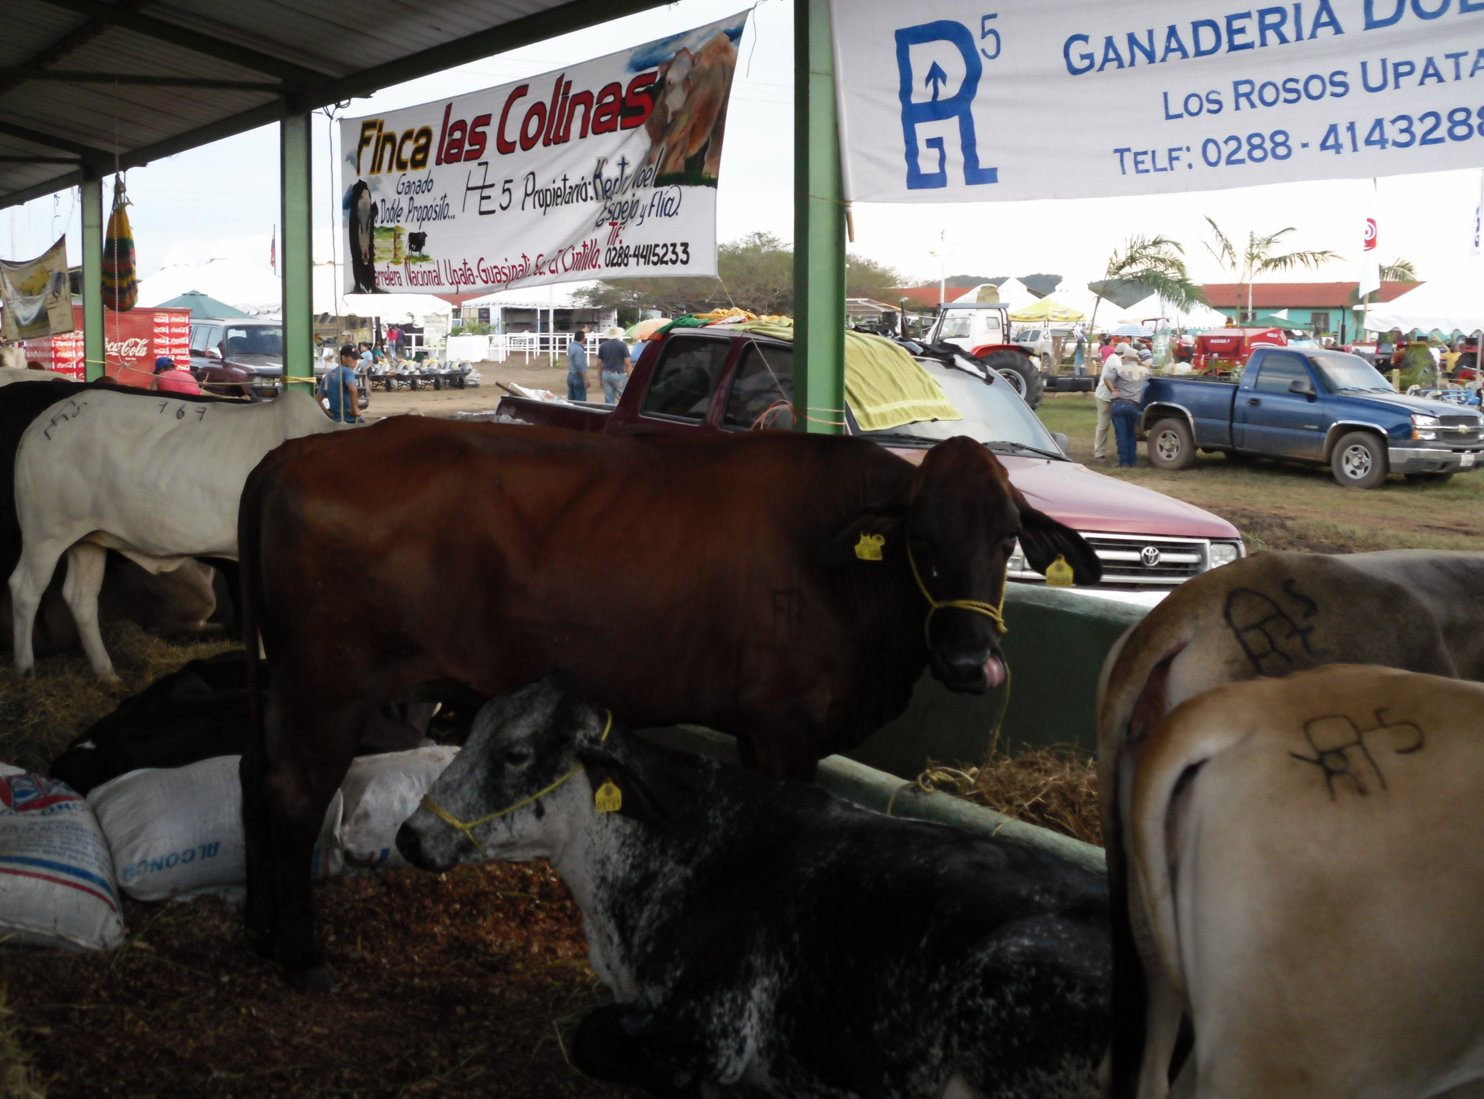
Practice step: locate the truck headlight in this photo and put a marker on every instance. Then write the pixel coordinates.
(1224, 553)
(1424, 426)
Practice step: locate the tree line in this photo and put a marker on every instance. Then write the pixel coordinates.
(756, 273)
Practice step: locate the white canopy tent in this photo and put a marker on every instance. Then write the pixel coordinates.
(1431, 307)
(1011, 292)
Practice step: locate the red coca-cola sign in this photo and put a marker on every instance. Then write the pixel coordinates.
(132, 340)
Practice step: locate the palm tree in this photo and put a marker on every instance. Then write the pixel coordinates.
(1259, 257)
(1156, 264)
(1398, 270)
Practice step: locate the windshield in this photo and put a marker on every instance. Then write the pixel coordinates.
(992, 413)
(1350, 372)
(955, 326)
(254, 340)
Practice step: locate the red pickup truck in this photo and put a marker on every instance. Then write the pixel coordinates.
(726, 379)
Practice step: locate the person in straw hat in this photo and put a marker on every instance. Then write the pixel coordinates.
(1127, 376)
(1104, 395)
(613, 364)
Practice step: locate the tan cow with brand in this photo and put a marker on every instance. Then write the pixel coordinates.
(1307, 853)
(1263, 617)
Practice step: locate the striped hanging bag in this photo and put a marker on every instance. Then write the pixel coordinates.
(120, 281)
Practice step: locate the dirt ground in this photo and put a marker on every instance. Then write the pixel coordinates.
(534, 374)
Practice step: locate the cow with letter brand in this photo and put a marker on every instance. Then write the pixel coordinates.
(177, 601)
(787, 589)
(156, 477)
(1263, 617)
(762, 933)
(1307, 853)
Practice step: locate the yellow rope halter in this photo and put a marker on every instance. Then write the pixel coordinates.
(467, 826)
(994, 612)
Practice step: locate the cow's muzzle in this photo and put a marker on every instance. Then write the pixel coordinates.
(971, 670)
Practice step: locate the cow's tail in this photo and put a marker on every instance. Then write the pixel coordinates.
(1131, 700)
(1171, 762)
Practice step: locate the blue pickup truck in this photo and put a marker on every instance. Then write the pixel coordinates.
(1311, 406)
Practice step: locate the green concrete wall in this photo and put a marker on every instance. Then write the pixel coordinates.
(1055, 643)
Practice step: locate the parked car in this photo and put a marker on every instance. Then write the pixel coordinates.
(1043, 341)
(721, 379)
(240, 357)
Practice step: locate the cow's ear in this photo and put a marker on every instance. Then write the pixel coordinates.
(617, 788)
(1042, 538)
(868, 535)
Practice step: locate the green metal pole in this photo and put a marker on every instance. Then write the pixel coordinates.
(819, 226)
(296, 259)
(95, 349)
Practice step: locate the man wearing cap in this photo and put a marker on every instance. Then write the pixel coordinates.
(170, 379)
(1126, 377)
(338, 388)
(577, 365)
(613, 364)
(1104, 395)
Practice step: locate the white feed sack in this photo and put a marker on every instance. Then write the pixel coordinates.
(173, 830)
(381, 792)
(56, 878)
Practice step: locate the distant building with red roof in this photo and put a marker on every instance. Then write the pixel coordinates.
(1324, 308)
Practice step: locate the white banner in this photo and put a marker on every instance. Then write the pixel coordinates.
(598, 171)
(946, 101)
(35, 296)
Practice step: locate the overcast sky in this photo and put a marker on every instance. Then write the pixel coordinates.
(222, 199)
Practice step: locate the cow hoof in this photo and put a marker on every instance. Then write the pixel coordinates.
(311, 978)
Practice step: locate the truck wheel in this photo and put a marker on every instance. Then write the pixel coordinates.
(1170, 445)
(1019, 372)
(1359, 460)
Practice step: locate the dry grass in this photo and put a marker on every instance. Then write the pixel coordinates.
(40, 715)
(18, 1078)
(1054, 788)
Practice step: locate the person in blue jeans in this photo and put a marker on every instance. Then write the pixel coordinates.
(577, 365)
(613, 364)
(1126, 376)
(338, 388)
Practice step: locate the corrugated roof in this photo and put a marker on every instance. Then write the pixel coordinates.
(1300, 295)
(94, 86)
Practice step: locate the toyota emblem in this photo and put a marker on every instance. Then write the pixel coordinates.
(1150, 556)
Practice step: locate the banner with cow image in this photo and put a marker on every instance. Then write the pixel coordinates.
(948, 101)
(600, 170)
(36, 295)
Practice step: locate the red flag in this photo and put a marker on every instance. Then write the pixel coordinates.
(273, 250)
(1370, 264)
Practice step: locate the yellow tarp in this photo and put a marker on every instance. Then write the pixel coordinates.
(884, 385)
(1046, 310)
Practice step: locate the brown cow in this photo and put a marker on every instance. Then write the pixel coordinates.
(701, 579)
(1266, 616)
(689, 116)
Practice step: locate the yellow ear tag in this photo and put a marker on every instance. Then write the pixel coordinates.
(869, 546)
(608, 798)
(1059, 574)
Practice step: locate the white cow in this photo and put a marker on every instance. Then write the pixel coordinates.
(1264, 617)
(1307, 850)
(156, 478)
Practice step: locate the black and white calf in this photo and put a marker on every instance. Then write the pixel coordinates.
(761, 932)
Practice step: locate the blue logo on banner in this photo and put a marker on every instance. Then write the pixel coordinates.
(938, 107)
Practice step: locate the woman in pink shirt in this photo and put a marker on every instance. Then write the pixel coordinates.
(169, 379)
